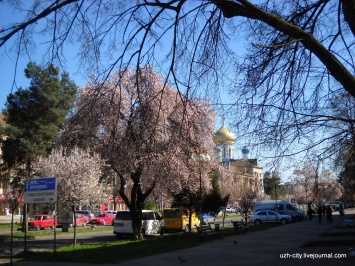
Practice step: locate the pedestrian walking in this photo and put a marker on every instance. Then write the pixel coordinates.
(341, 210)
(329, 215)
(320, 214)
(310, 211)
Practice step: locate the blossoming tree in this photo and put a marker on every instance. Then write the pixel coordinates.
(77, 172)
(316, 186)
(146, 131)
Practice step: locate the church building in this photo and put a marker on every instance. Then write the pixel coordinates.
(245, 170)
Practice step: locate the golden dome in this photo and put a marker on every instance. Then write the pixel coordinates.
(224, 135)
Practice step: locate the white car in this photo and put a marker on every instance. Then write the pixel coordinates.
(231, 209)
(266, 216)
(152, 223)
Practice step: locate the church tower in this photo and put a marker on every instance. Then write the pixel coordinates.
(245, 153)
(245, 171)
(225, 140)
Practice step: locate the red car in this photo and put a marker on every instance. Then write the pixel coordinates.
(41, 221)
(81, 219)
(103, 219)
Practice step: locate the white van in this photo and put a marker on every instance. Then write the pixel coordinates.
(152, 223)
(282, 207)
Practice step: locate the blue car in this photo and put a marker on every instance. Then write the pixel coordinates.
(207, 218)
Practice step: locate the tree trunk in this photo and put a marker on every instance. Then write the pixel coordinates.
(137, 218)
(190, 219)
(74, 224)
(137, 199)
(349, 13)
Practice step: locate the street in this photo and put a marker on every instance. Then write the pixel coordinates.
(47, 242)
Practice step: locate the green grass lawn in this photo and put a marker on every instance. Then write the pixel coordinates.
(8, 226)
(118, 251)
(4, 231)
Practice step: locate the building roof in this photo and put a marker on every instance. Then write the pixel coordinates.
(224, 135)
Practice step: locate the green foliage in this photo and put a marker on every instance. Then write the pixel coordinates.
(272, 185)
(213, 202)
(150, 205)
(215, 180)
(186, 199)
(35, 115)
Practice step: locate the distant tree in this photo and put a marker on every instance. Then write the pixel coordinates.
(272, 185)
(247, 198)
(213, 202)
(35, 115)
(187, 199)
(307, 177)
(328, 187)
(227, 184)
(207, 201)
(314, 185)
(77, 173)
(147, 132)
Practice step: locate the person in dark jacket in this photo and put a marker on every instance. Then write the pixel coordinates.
(329, 215)
(341, 210)
(310, 211)
(320, 214)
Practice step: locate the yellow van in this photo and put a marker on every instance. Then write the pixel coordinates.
(177, 219)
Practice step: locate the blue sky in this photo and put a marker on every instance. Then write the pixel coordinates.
(12, 71)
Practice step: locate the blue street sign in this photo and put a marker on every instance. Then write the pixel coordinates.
(39, 184)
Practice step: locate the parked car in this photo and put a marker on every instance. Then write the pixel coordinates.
(207, 218)
(81, 219)
(178, 219)
(152, 223)
(269, 217)
(282, 207)
(102, 219)
(86, 213)
(41, 221)
(231, 209)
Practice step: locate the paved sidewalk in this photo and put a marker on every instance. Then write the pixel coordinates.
(5, 219)
(259, 248)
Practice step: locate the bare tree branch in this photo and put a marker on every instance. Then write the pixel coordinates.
(22, 26)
